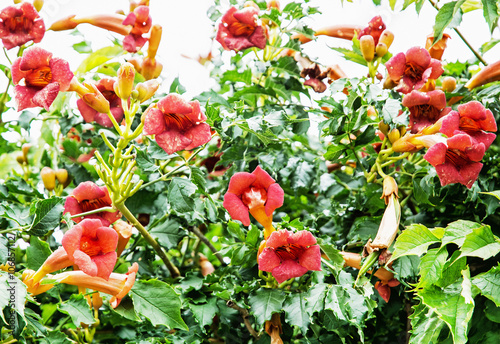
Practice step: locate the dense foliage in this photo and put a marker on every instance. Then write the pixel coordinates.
(291, 203)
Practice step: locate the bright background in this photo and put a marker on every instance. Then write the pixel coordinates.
(188, 31)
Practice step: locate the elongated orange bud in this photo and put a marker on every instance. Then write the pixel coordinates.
(339, 31)
(38, 4)
(367, 46)
(354, 261)
(111, 22)
(125, 83)
(387, 37)
(383, 127)
(26, 147)
(488, 74)
(95, 99)
(48, 178)
(154, 40)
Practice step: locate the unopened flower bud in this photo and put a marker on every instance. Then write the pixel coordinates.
(402, 130)
(383, 127)
(387, 37)
(151, 69)
(251, 4)
(136, 63)
(26, 147)
(96, 100)
(62, 176)
(48, 178)
(273, 4)
(394, 135)
(21, 160)
(68, 23)
(18, 1)
(146, 90)
(381, 49)
(154, 40)
(390, 187)
(449, 84)
(367, 45)
(38, 4)
(125, 83)
(389, 84)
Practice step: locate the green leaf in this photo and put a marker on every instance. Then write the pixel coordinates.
(83, 47)
(265, 302)
(235, 230)
(37, 253)
(253, 235)
(451, 307)
(450, 15)
(391, 110)
(406, 266)
(350, 55)
(78, 309)
(335, 258)
(99, 57)
(251, 94)
(56, 337)
(316, 298)
(266, 137)
(490, 12)
(366, 136)
(176, 87)
(431, 266)
(456, 232)
(179, 195)
(493, 193)
(158, 302)
(414, 240)
(169, 233)
(452, 270)
(295, 311)
(145, 162)
(480, 243)
(48, 214)
(489, 284)
(236, 76)
(333, 152)
(425, 325)
(204, 313)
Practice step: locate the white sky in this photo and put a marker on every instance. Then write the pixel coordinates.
(187, 30)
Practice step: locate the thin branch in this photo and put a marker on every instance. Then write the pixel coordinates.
(207, 242)
(244, 314)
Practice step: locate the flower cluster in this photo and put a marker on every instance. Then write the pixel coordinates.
(20, 24)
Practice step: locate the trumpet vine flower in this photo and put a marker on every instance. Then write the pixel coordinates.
(256, 193)
(44, 77)
(105, 87)
(474, 119)
(92, 247)
(177, 124)
(287, 255)
(457, 159)
(20, 24)
(141, 22)
(88, 196)
(413, 69)
(425, 108)
(375, 28)
(239, 30)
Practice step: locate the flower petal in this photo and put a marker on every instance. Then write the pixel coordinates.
(72, 206)
(470, 173)
(418, 56)
(24, 97)
(436, 154)
(154, 122)
(448, 174)
(34, 58)
(488, 124)
(396, 66)
(288, 269)
(199, 135)
(262, 178)
(45, 97)
(450, 123)
(415, 98)
(473, 109)
(236, 209)
(278, 238)
(107, 238)
(275, 198)
(311, 258)
(61, 73)
(174, 103)
(240, 181)
(88, 190)
(85, 263)
(268, 260)
(172, 141)
(105, 264)
(303, 238)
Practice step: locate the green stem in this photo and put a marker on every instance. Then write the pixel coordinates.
(368, 263)
(95, 211)
(207, 242)
(174, 272)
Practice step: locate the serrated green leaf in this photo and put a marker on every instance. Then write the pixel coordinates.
(480, 243)
(452, 270)
(48, 214)
(204, 313)
(265, 302)
(351, 56)
(156, 152)
(179, 194)
(489, 284)
(37, 253)
(251, 94)
(235, 230)
(366, 136)
(145, 162)
(451, 307)
(316, 298)
(236, 76)
(431, 266)
(493, 193)
(414, 240)
(253, 236)
(490, 12)
(449, 15)
(266, 137)
(295, 311)
(425, 325)
(169, 233)
(78, 309)
(335, 258)
(390, 110)
(158, 302)
(456, 232)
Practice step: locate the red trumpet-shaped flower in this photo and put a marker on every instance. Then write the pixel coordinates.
(141, 23)
(457, 160)
(425, 108)
(88, 196)
(92, 247)
(239, 30)
(20, 24)
(105, 87)
(288, 255)
(44, 77)
(413, 69)
(177, 124)
(256, 193)
(474, 119)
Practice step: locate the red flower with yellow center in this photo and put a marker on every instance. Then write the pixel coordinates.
(413, 69)
(44, 77)
(87, 196)
(287, 255)
(20, 24)
(239, 30)
(425, 108)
